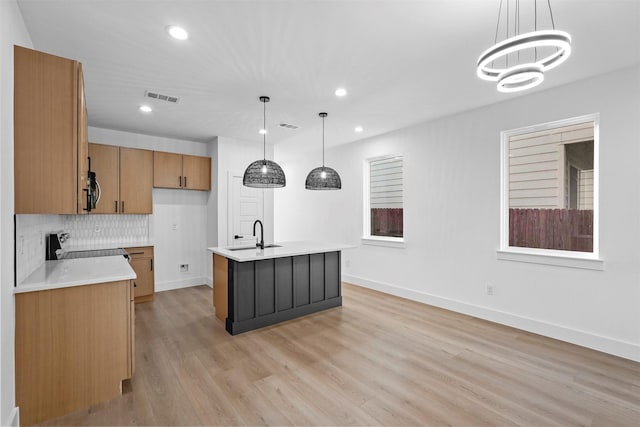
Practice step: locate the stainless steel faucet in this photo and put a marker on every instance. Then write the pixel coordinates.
(261, 243)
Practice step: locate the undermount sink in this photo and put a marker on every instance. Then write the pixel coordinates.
(246, 248)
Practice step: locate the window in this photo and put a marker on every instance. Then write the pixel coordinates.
(384, 199)
(549, 203)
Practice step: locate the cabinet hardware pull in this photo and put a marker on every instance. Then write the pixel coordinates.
(180, 180)
(185, 182)
(151, 261)
(238, 237)
(116, 206)
(134, 285)
(136, 253)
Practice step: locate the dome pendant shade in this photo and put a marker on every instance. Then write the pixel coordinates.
(264, 174)
(323, 178)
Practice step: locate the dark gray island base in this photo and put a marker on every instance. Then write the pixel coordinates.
(269, 291)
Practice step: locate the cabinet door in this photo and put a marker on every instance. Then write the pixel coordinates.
(196, 172)
(45, 133)
(136, 181)
(143, 284)
(104, 162)
(167, 170)
(83, 143)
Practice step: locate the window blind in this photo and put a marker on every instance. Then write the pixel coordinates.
(386, 183)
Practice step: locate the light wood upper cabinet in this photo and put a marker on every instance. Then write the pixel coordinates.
(196, 172)
(50, 128)
(136, 181)
(167, 170)
(125, 179)
(105, 163)
(171, 170)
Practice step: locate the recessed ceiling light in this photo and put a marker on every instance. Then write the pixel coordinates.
(262, 131)
(359, 129)
(145, 109)
(177, 33)
(341, 91)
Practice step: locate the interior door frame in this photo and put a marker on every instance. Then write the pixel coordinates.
(230, 218)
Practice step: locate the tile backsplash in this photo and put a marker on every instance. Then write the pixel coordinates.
(30, 241)
(107, 230)
(94, 231)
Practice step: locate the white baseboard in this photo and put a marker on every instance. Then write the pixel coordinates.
(178, 284)
(209, 282)
(13, 420)
(612, 346)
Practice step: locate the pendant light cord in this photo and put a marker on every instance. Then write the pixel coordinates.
(553, 25)
(264, 127)
(323, 141)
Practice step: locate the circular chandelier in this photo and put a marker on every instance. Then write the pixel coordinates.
(527, 67)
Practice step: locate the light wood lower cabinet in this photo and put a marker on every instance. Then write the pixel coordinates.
(220, 286)
(141, 260)
(73, 348)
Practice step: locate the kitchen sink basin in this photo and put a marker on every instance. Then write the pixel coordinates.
(246, 248)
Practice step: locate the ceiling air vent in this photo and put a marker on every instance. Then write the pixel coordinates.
(289, 126)
(161, 97)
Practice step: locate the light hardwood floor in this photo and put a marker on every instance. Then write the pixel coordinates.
(378, 360)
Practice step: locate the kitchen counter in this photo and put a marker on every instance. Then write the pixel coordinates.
(257, 287)
(285, 249)
(76, 272)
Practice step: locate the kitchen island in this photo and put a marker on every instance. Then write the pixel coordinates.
(256, 287)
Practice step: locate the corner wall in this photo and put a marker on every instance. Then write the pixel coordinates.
(452, 217)
(12, 31)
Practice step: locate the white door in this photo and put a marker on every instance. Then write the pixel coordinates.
(246, 207)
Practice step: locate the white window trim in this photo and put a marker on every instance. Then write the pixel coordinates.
(574, 259)
(367, 238)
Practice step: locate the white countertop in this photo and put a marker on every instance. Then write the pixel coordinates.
(285, 249)
(76, 272)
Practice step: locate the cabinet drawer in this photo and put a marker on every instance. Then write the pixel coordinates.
(144, 252)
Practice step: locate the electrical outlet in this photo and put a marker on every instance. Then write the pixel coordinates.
(174, 226)
(489, 290)
(184, 268)
(96, 228)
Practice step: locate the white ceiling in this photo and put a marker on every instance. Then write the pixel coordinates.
(402, 61)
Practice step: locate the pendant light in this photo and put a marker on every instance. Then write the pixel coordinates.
(264, 173)
(323, 178)
(502, 62)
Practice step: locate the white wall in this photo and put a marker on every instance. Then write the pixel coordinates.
(179, 221)
(452, 217)
(233, 156)
(12, 31)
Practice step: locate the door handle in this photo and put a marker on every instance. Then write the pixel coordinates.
(238, 237)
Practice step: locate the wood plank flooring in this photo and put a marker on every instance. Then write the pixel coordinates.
(378, 360)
